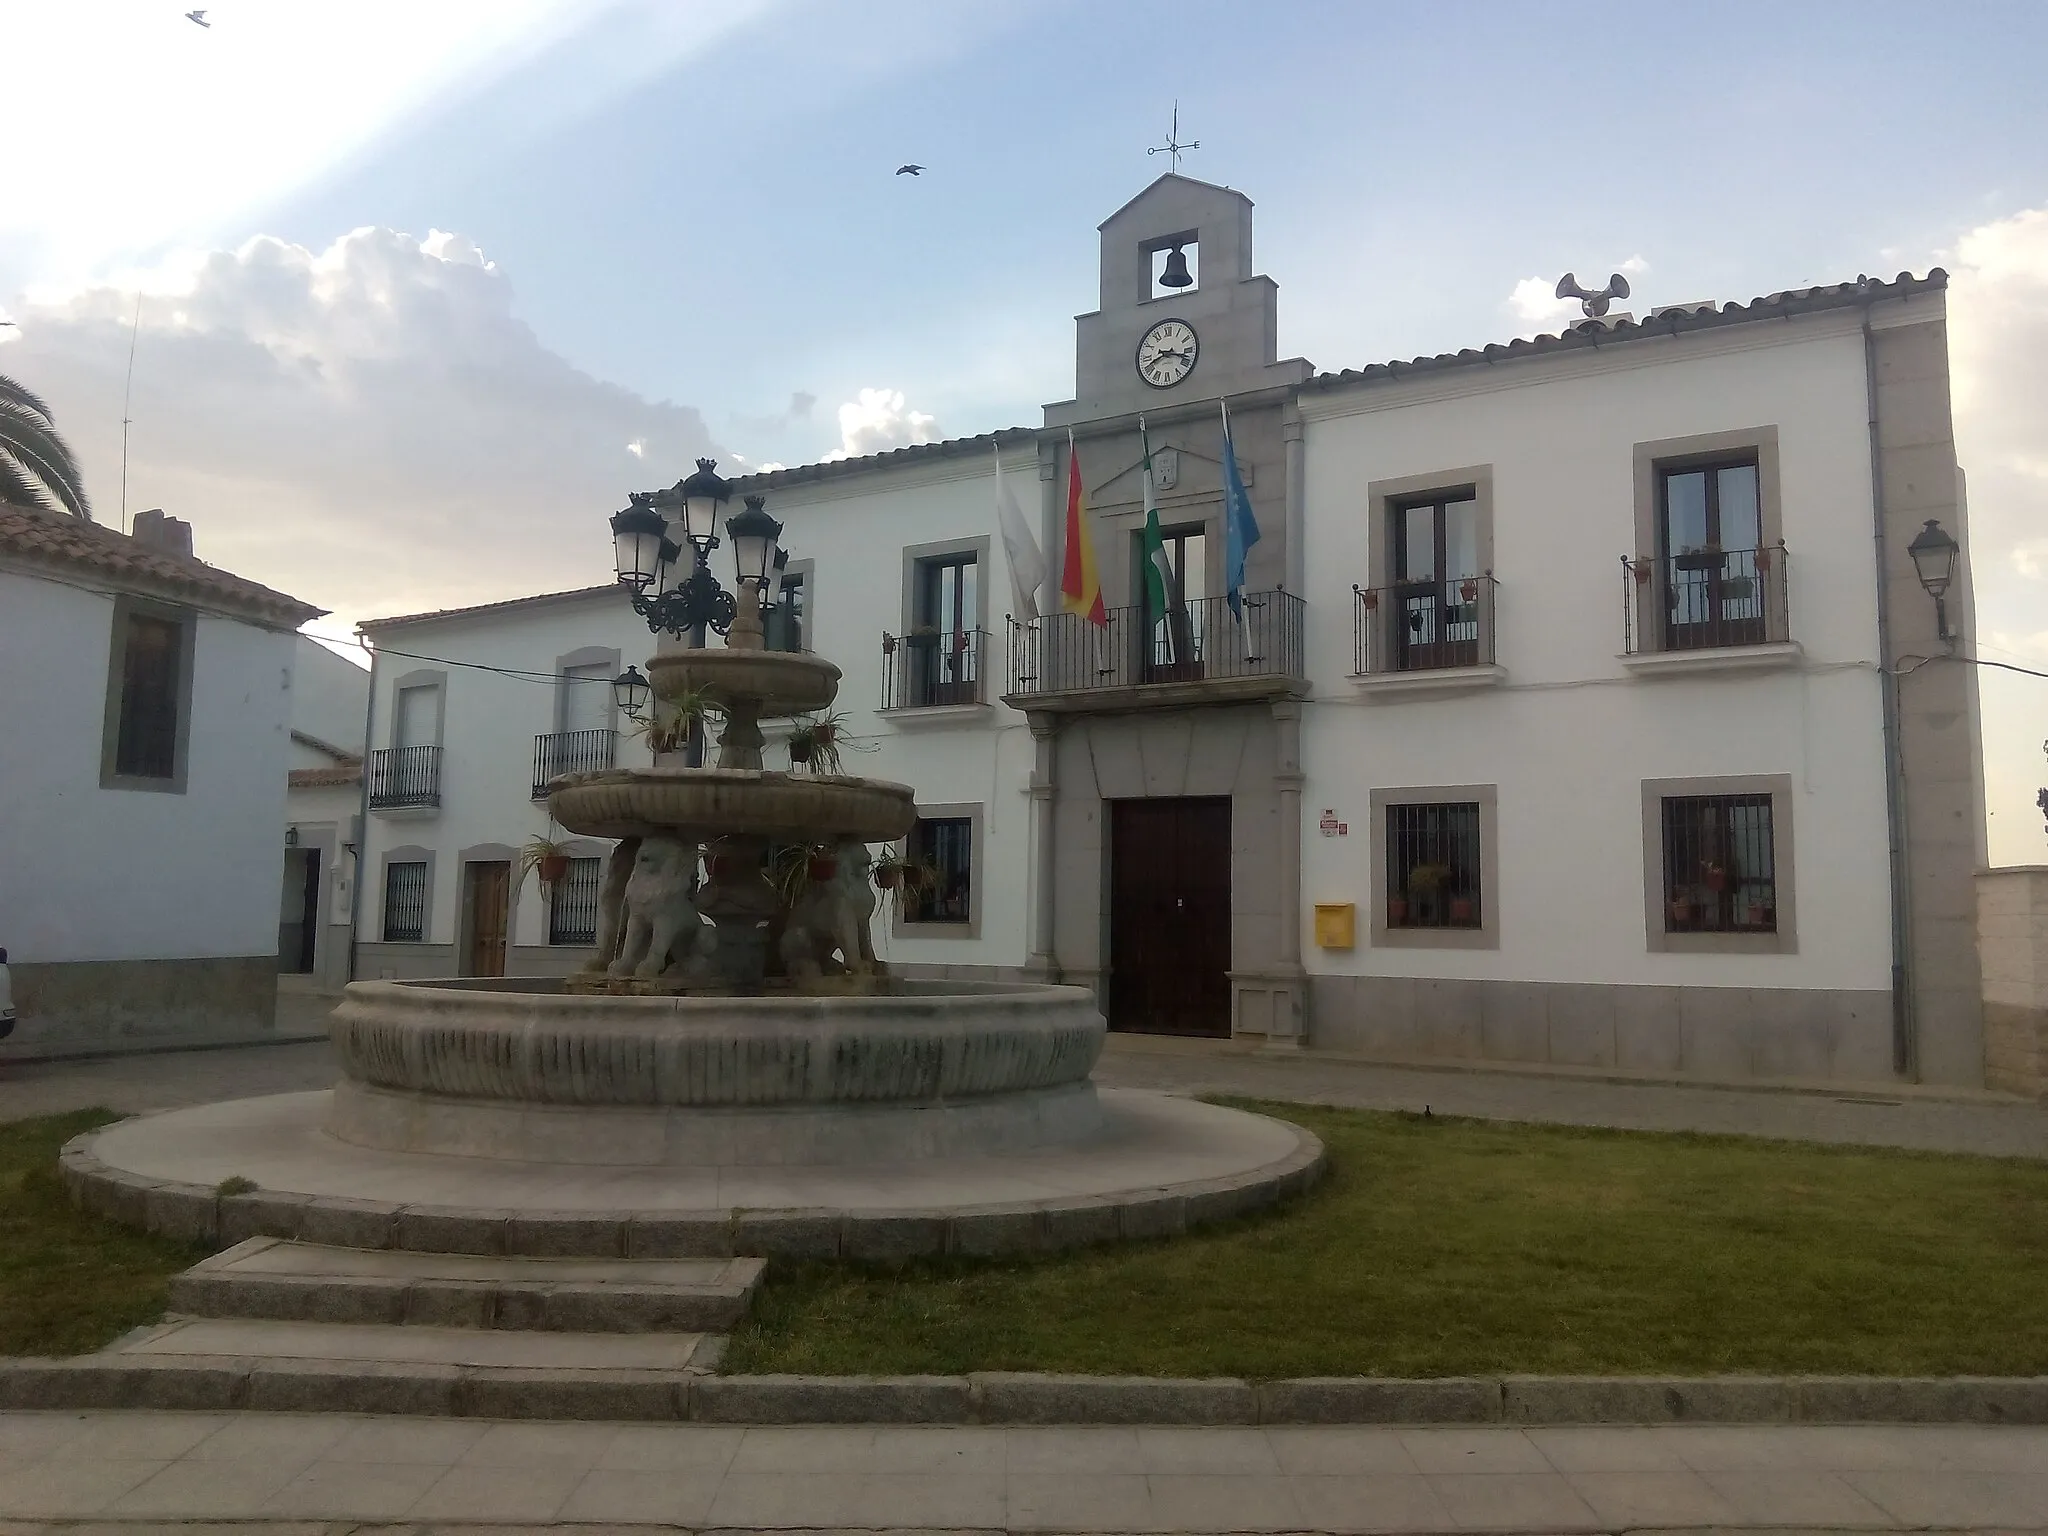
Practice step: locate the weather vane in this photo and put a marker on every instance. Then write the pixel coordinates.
(1173, 145)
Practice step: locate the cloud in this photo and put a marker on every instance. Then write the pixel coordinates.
(368, 426)
(880, 419)
(798, 411)
(1998, 348)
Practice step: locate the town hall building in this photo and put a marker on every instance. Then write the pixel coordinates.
(1563, 713)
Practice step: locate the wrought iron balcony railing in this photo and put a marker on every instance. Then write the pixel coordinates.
(1415, 626)
(1202, 641)
(1704, 599)
(402, 777)
(927, 669)
(563, 752)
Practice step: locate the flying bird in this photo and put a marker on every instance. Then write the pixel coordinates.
(198, 17)
(909, 170)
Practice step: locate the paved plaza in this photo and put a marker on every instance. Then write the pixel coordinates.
(175, 1467)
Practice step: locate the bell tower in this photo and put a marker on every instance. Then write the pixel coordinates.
(1181, 317)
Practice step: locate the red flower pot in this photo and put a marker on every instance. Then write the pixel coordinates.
(888, 879)
(1469, 591)
(823, 870)
(1681, 911)
(1397, 911)
(1717, 879)
(553, 867)
(1461, 909)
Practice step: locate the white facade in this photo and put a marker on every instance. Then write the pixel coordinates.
(136, 913)
(1574, 735)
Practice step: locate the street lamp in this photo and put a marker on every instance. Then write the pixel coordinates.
(1934, 561)
(702, 496)
(754, 543)
(629, 691)
(639, 535)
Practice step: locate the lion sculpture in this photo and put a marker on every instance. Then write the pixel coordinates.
(832, 915)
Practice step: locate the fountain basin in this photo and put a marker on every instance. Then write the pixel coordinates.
(784, 682)
(518, 1069)
(708, 803)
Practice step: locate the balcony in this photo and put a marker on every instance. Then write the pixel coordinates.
(1707, 610)
(933, 670)
(563, 752)
(1200, 654)
(405, 778)
(1424, 637)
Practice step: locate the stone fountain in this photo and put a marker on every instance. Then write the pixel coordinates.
(699, 1085)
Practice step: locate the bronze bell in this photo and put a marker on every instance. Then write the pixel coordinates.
(1176, 273)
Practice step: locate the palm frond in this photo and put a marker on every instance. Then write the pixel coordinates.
(44, 472)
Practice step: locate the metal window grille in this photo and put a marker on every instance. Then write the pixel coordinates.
(147, 744)
(1433, 866)
(405, 903)
(1720, 866)
(1064, 652)
(946, 846)
(572, 908)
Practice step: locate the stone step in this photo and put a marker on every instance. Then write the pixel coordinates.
(369, 1346)
(273, 1278)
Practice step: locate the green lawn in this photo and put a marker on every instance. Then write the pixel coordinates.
(1445, 1247)
(69, 1282)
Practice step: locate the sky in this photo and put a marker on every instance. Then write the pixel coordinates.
(424, 289)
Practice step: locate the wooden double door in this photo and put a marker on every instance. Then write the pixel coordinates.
(1169, 916)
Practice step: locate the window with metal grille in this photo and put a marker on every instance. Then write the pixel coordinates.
(572, 908)
(147, 744)
(941, 850)
(1720, 869)
(1433, 866)
(405, 903)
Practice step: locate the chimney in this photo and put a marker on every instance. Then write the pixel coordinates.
(166, 535)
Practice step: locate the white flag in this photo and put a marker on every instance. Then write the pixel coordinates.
(1027, 565)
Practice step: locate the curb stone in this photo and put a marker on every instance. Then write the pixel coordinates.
(1000, 1397)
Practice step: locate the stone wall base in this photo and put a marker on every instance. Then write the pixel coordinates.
(100, 1007)
(2016, 1049)
(1713, 1033)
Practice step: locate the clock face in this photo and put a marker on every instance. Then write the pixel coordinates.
(1167, 352)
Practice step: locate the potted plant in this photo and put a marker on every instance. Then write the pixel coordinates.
(888, 871)
(923, 637)
(1641, 570)
(1461, 909)
(796, 868)
(546, 856)
(1424, 879)
(1680, 908)
(1715, 876)
(814, 743)
(1468, 589)
(1397, 911)
(667, 726)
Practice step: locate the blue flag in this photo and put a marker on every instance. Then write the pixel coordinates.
(1240, 528)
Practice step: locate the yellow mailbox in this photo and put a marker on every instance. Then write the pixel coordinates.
(1336, 925)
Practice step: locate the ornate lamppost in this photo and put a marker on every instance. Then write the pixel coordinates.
(661, 546)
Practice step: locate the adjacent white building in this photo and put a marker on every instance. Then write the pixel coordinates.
(1570, 716)
(323, 816)
(142, 782)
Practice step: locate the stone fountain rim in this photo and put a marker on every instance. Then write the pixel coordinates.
(529, 993)
(663, 773)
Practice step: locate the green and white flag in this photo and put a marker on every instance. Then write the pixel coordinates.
(1159, 582)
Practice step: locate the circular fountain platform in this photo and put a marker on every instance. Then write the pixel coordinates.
(511, 1117)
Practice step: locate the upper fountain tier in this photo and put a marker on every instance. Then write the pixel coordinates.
(775, 683)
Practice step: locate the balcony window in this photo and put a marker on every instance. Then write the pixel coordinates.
(1175, 634)
(928, 669)
(942, 668)
(1436, 554)
(403, 778)
(561, 752)
(572, 905)
(1061, 661)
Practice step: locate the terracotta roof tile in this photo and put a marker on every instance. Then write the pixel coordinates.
(574, 594)
(325, 778)
(1671, 322)
(31, 536)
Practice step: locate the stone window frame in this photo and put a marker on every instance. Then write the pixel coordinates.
(805, 572)
(1784, 873)
(1383, 497)
(916, 556)
(435, 678)
(1487, 934)
(127, 606)
(1654, 458)
(406, 853)
(608, 656)
(977, 877)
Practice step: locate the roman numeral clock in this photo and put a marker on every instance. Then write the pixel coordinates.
(1167, 353)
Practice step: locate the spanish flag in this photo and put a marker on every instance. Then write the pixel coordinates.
(1080, 588)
